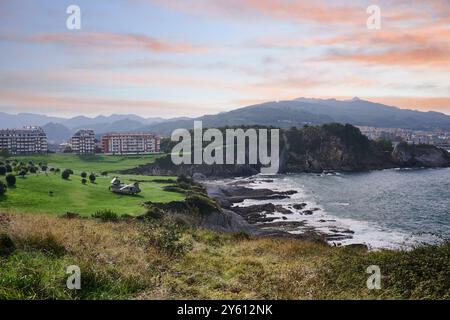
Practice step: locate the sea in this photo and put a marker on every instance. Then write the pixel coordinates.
(393, 208)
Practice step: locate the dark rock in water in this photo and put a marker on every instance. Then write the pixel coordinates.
(299, 206)
(257, 213)
(307, 212)
(267, 180)
(315, 209)
(321, 220)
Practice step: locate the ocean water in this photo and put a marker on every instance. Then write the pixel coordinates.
(384, 209)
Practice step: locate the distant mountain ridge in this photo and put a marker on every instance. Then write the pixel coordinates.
(301, 111)
(284, 114)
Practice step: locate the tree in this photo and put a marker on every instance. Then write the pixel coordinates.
(11, 180)
(92, 178)
(4, 153)
(84, 175)
(22, 173)
(2, 170)
(3, 188)
(65, 175)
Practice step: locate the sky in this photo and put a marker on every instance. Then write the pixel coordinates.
(172, 58)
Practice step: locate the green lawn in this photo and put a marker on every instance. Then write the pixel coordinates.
(32, 195)
(41, 193)
(95, 163)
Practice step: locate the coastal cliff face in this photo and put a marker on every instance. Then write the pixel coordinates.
(330, 147)
(420, 156)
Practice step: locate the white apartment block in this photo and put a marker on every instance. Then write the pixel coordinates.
(83, 142)
(28, 140)
(130, 143)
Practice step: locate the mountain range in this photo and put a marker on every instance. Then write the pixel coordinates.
(284, 114)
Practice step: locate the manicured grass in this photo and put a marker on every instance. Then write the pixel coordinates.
(40, 193)
(94, 163)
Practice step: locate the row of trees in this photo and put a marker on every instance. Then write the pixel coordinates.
(68, 172)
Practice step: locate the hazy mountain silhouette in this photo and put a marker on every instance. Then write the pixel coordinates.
(284, 114)
(301, 111)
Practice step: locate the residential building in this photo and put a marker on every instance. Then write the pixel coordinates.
(83, 142)
(28, 140)
(130, 143)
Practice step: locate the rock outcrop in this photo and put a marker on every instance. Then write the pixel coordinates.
(420, 156)
(330, 147)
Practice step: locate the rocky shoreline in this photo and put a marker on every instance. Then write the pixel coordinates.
(269, 219)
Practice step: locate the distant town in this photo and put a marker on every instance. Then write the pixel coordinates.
(436, 138)
(33, 140)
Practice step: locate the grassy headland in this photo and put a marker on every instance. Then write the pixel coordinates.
(165, 259)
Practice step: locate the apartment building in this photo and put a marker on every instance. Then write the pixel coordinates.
(83, 142)
(130, 143)
(28, 140)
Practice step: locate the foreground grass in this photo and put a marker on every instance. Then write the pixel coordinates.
(94, 163)
(163, 259)
(41, 193)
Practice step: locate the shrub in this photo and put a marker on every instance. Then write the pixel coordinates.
(22, 173)
(174, 189)
(70, 171)
(166, 236)
(65, 175)
(8, 168)
(154, 213)
(106, 215)
(92, 178)
(104, 173)
(185, 179)
(2, 170)
(47, 243)
(3, 188)
(83, 181)
(11, 180)
(6, 245)
(44, 168)
(33, 170)
(84, 174)
(204, 204)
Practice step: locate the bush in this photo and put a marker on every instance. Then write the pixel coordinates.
(22, 173)
(11, 180)
(2, 170)
(6, 245)
(44, 168)
(182, 178)
(92, 178)
(204, 204)
(84, 174)
(3, 188)
(70, 171)
(166, 236)
(83, 181)
(33, 170)
(8, 168)
(104, 173)
(106, 215)
(65, 175)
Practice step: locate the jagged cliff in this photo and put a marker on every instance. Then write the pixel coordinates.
(328, 147)
(420, 156)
